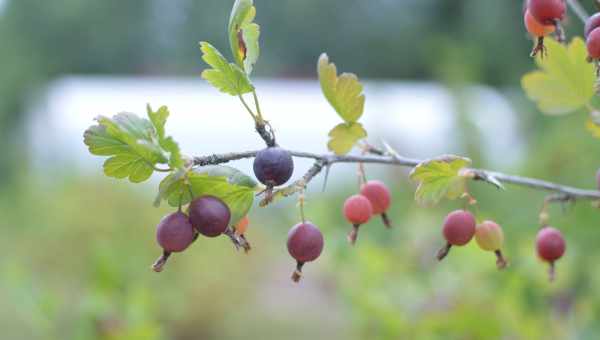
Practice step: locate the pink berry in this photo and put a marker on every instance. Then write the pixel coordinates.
(458, 230)
(550, 246)
(380, 197)
(547, 11)
(357, 210)
(593, 44)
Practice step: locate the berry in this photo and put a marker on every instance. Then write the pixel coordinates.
(175, 233)
(305, 244)
(535, 28)
(209, 215)
(489, 237)
(273, 166)
(593, 44)
(357, 210)
(591, 24)
(547, 12)
(550, 246)
(458, 230)
(379, 196)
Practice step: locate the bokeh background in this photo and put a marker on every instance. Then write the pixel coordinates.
(76, 246)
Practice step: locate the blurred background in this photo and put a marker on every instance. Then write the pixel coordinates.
(440, 77)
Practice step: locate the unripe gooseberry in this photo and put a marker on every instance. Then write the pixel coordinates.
(357, 210)
(550, 246)
(458, 230)
(305, 244)
(490, 237)
(380, 197)
(535, 28)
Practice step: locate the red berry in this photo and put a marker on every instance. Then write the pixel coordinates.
(535, 28)
(458, 230)
(209, 215)
(547, 11)
(593, 44)
(380, 197)
(305, 244)
(175, 233)
(357, 210)
(550, 246)
(591, 24)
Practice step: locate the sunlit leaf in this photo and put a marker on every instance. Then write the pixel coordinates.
(344, 93)
(244, 34)
(344, 136)
(226, 77)
(439, 178)
(564, 81)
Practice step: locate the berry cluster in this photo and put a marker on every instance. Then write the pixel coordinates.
(541, 18)
(374, 199)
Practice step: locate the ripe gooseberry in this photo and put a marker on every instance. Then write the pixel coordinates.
(591, 24)
(490, 237)
(547, 12)
(273, 166)
(550, 246)
(593, 44)
(305, 244)
(379, 196)
(357, 210)
(174, 234)
(209, 215)
(458, 230)
(537, 30)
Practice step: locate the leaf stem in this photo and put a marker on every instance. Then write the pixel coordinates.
(256, 103)
(247, 107)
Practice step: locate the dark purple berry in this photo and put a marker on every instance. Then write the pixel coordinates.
(209, 215)
(273, 166)
(175, 233)
(305, 244)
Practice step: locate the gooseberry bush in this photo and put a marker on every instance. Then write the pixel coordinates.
(210, 199)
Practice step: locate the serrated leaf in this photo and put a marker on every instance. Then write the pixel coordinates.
(564, 81)
(226, 77)
(244, 35)
(128, 165)
(344, 93)
(344, 136)
(159, 119)
(439, 178)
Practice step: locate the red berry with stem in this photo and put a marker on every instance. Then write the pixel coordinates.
(305, 244)
(490, 237)
(538, 31)
(593, 44)
(458, 230)
(550, 246)
(547, 12)
(209, 215)
(380, 197)
(174, 234)
(591, 24)
(357, 210)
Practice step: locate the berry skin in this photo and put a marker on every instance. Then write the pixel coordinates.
(458, 230)
(305, 244)
(175, 233)
(591, 24)
(593, 44)
(490, 237)
(209, 215)
(357, 210)
(273, 166)
(547, 11)
(535, 28)
(550, 246)
(379, 196)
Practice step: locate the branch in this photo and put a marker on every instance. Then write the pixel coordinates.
(578, 10)
(326, 160)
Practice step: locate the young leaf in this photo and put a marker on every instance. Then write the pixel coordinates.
(226, 77)
(244, 35)
(158, 120)
(344, 136)
(439, 178)
(565, 81)
(344, 93)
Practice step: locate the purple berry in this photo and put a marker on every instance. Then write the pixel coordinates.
(209, 215)
(305, 244)
(175, 233)
(273, 166)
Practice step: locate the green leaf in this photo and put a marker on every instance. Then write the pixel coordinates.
(233, 175)
(244, 35)
(565, 80)
(226, 77)
(229, 185)
(439, 178)
(168, 144)
(136, 168)
(344, 93)
(344, 136)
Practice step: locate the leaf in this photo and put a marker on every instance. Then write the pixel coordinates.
(439, 178)
(565, 81)
(344, 93)
(159, 119)
(226, 77)
(244, 35)
(128, 165)
(344, 136)
(233, 175)
(232, 187)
